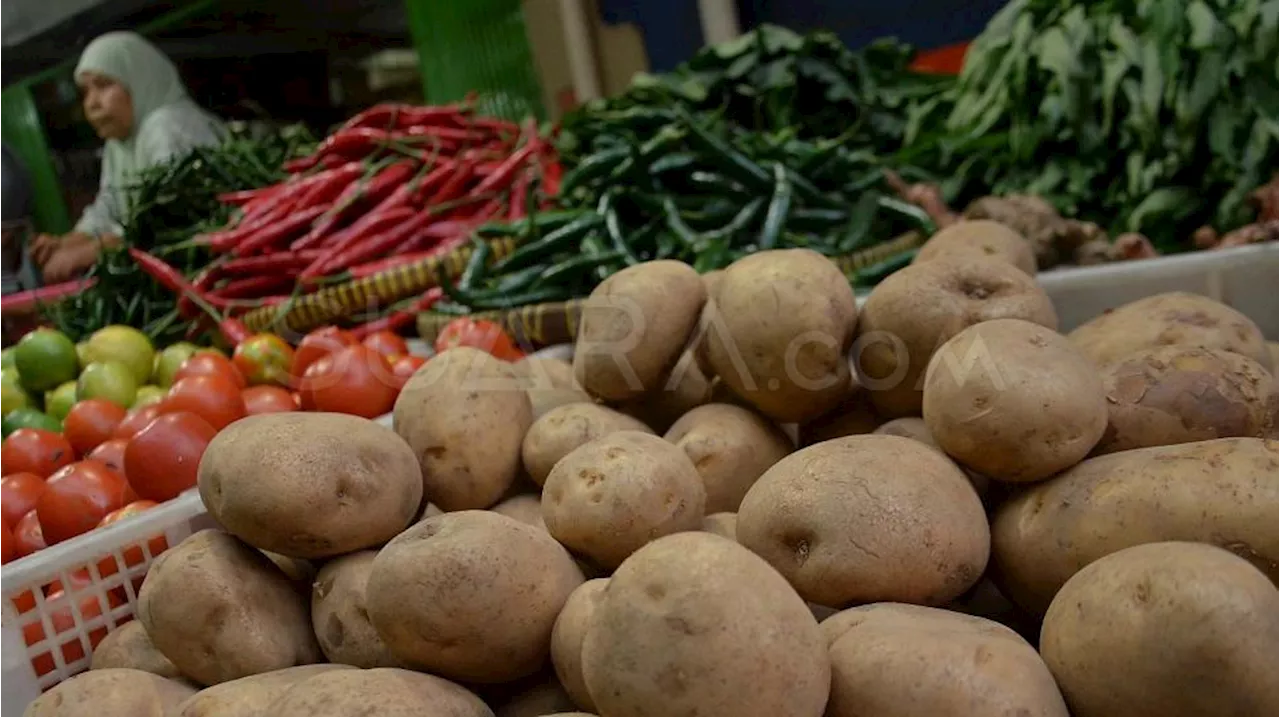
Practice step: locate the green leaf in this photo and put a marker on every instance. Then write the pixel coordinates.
(1153, 78)
(775, 38)
(737, 46)
(1210, 78)
(1205, 28)
(1114, 67)
(1164, 201)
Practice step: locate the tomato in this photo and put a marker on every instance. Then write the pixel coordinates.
(77, 498)
(8, 548)
(59, 604)
(264, 358)
(205, 363)
(136, 420)
(387, 343)
(133, 556)
(28, 536)
(478, 334)
(35, 450)
(18, 495)
(111, 454)
(404, 367)
(317, 344)
(214, 398)
(90, 422)
(267, 399)
(161, 461)
(355, 380)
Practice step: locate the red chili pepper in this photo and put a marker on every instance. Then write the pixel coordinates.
(252, 287)
(330, 184)
(438, 246)
(245, 196)
(170, 278)
(355, 196)
(279, 261)
(496, 125)
(279, 231)
(501, 178)
(446, 114)
(454, 186)
(452, 134)
(33, 297)
(430, 183)
(380, 115)
(400, 318)
(520, 196)
(202, 283)
(392, 262)
(391, 228)
(551, 173)
(234, 331)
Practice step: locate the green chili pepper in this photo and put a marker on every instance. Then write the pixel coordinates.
(669, 162)
(878, 271)
(538, 296)
(779, 206)
(857, 233)
(909, 210)
(557, 239)
(593, 167)
(555, 275)
(740, 221)
(480, 250)
(818, 220)
(614, 228)
(733, 161)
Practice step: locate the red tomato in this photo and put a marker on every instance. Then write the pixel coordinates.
(387, 343)
(479, 334)
(28, 536)
(132, 556)
(214, 398)
(77, 498)
(111, 453)
(355, 380)
(404, 367)
(317, 344)
(18, 495)
(205, 363)
(59, 604)
(90, 422)
(267, 399)
(136, 420)
(35, 450)
(8, 548)
(161, 461)
(264, 358)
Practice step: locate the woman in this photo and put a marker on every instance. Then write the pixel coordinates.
(135, 101)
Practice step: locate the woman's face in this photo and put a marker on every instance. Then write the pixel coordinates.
(107, 105)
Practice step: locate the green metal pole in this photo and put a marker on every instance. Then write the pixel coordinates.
(24, 134)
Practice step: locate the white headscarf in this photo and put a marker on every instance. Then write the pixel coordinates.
(150, 77)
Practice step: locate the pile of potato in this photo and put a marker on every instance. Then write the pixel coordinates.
(745, 497)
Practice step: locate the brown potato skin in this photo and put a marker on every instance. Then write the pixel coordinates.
(1192, 629)
(868, 518)
(310, 485)
(111, 691)
(893, 659)
(340, 617)
(249, 696)
(536, 700)
(471, 595)
(916, 429)
(568, 635)
(129, 646)
(1181, 394)
(220, 610)
(855, 415)
(461, 394)
(982, 238)
(686, 389)
(549, 383)
(730, 447)
(1014, 401)
(723, 524)
(1222, 492)
(912, 312)
(1176, 318)
(781, 331)
(562, 430)
(526, 508)
(694, 624)
(669, 296)
(611, 496)
(385, 692)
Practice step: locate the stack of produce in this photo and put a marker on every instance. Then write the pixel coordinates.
(716, 517)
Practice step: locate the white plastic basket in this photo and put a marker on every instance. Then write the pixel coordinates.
(50, 636)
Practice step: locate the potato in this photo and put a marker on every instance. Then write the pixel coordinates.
(694, 624)
(1222, 492)
(109, 692)
(544, 697)
(249, 696)
(471, 595)
(464, 415)
(1014, 401)
(1179, 394)
(853, 416)
(301, 572)
(916, 429)
(561, 430)
(310, 485)
(980, 238)
(730, 447)
(339, 613)
(782, 327)
(723, 524)
(1173, 319)
(634, 327)
(616, 493)
(892, 659)
(686, 389)
(549, 383)
(1165, 629)
(868, 518)
(567, 636)
(526, 508)
(912, 312)
(219, 610)
(385, 692)
(129, 646)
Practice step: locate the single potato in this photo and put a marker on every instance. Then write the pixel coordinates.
(780, 333)
(723, 524)
(1190, 628)
(130, 647)
(980, 238)
(249, 696)
(111, 691)
(1222, 492)
(634, 327)
(526, 508)
(462, 394)
(471, 595)
(310, 485)
(730, 447)
(562, 430)
(611, 496)
(694, 624)
(220, 610)
(1014, 401)
(340, 615)
(896, 660)
(868, 518)
(915, 310)
(385, 692)
(1173, 319)
(567, 637)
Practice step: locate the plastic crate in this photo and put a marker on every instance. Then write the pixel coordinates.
(48, 640)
